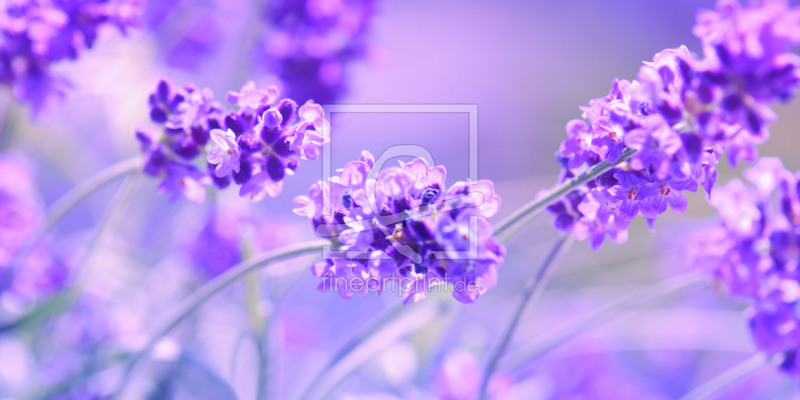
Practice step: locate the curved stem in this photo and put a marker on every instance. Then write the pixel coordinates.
(530, 293)
(398, 328)
(518, 219)
(355, 341)
(106, 222)
(729, 377)
(74, 196)
(607, 313)
(205, 292)
(112, 214)
(68, 201)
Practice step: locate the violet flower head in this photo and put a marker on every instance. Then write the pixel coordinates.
(312, 42)
(680, 115)
(36, 34)
(255, 146)
(402, 226)
(752, 253)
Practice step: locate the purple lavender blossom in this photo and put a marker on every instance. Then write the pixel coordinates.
(313, 41)
(256, 146)
(680, 115)
(226, 155)
(752, 253)
(405, 227)
(38, 33)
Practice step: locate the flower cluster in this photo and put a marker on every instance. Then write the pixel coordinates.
(753, 253)
(680, 115)
(21, 215)
(402, 226)
(37, 33)
(255, 146)
(312, 41)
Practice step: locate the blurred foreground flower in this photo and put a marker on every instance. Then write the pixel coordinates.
(403, 227)
(37, 33)
(312, 42)
(21, 216)
(220, 243)
(680, 116)
(189, 33)
(255, 146)
(753, 253)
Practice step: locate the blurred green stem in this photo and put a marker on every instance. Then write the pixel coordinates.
(106, 222)
(72, 198)
(532, 290)
(81, 191)
(207, 291)
(514, 223)
(729, 377)
(112, 214)
(257, 321)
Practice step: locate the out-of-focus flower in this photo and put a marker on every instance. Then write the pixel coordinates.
(585, 376)
(256, 146)
(220, 244)
(680, 115)
(404, 227)
(190, 32)
(21, 215)
(38, 33)
(753, 252)
(312, 42)
(217, 247)
(459, 378)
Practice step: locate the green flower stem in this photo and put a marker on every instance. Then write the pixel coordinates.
(207, 291)
(514, 223)
(729, 377)
(532, 290)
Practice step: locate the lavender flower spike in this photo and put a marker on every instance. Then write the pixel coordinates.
(256, 146)
(752, 253)
(680, 115)
(405, 229)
